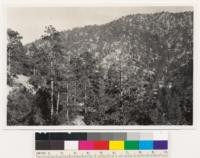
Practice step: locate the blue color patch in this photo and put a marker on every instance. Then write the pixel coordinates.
(146, 145)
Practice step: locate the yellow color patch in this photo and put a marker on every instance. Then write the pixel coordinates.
(116, 145)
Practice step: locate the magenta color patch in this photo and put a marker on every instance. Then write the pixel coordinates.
(86, 145)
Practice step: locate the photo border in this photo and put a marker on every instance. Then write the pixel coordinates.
(196, 74)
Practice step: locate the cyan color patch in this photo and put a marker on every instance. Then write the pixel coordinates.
(146, 145)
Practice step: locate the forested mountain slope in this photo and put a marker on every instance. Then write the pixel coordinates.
(136, 70)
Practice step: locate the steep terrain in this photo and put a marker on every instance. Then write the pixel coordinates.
(134, 70)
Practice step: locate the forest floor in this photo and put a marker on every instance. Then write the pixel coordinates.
(23, 81)
(78, 120)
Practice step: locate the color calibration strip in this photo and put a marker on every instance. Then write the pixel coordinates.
(101, 144)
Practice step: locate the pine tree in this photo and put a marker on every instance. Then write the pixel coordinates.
(52, 46)
(15, 53)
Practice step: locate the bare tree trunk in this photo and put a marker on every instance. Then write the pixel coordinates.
(120, 81)
(75, 93)
(58, 102)
(67, 113)
(85, 95)
(34, 71)
(52, 83)
(75, 87)
(121, 91)
(52, 91)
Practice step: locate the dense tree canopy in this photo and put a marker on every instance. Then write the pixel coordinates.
(137, 70)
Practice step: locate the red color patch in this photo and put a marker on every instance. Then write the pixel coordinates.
(101, 145)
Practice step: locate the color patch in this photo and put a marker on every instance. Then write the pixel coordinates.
(101, 145)
(110, 136)
(116, 145)
(131, 145)
(119, 136)
(93, 136)
(42, 145)
(106, 136)
(42, 136)
(146, 136)
(57, 145)
(71, 145)
(146, 145)
(160, 145)
(158, 135)
(133, 136)
(86, 145)
(68, 136)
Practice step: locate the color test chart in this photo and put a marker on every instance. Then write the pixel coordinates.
(101, 145)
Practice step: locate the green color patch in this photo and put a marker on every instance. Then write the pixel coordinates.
(131, 145)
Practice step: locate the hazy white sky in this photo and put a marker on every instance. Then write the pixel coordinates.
(30, 22)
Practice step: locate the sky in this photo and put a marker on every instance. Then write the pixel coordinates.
(31, 21)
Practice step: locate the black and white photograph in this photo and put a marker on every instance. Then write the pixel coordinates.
(100, 66)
